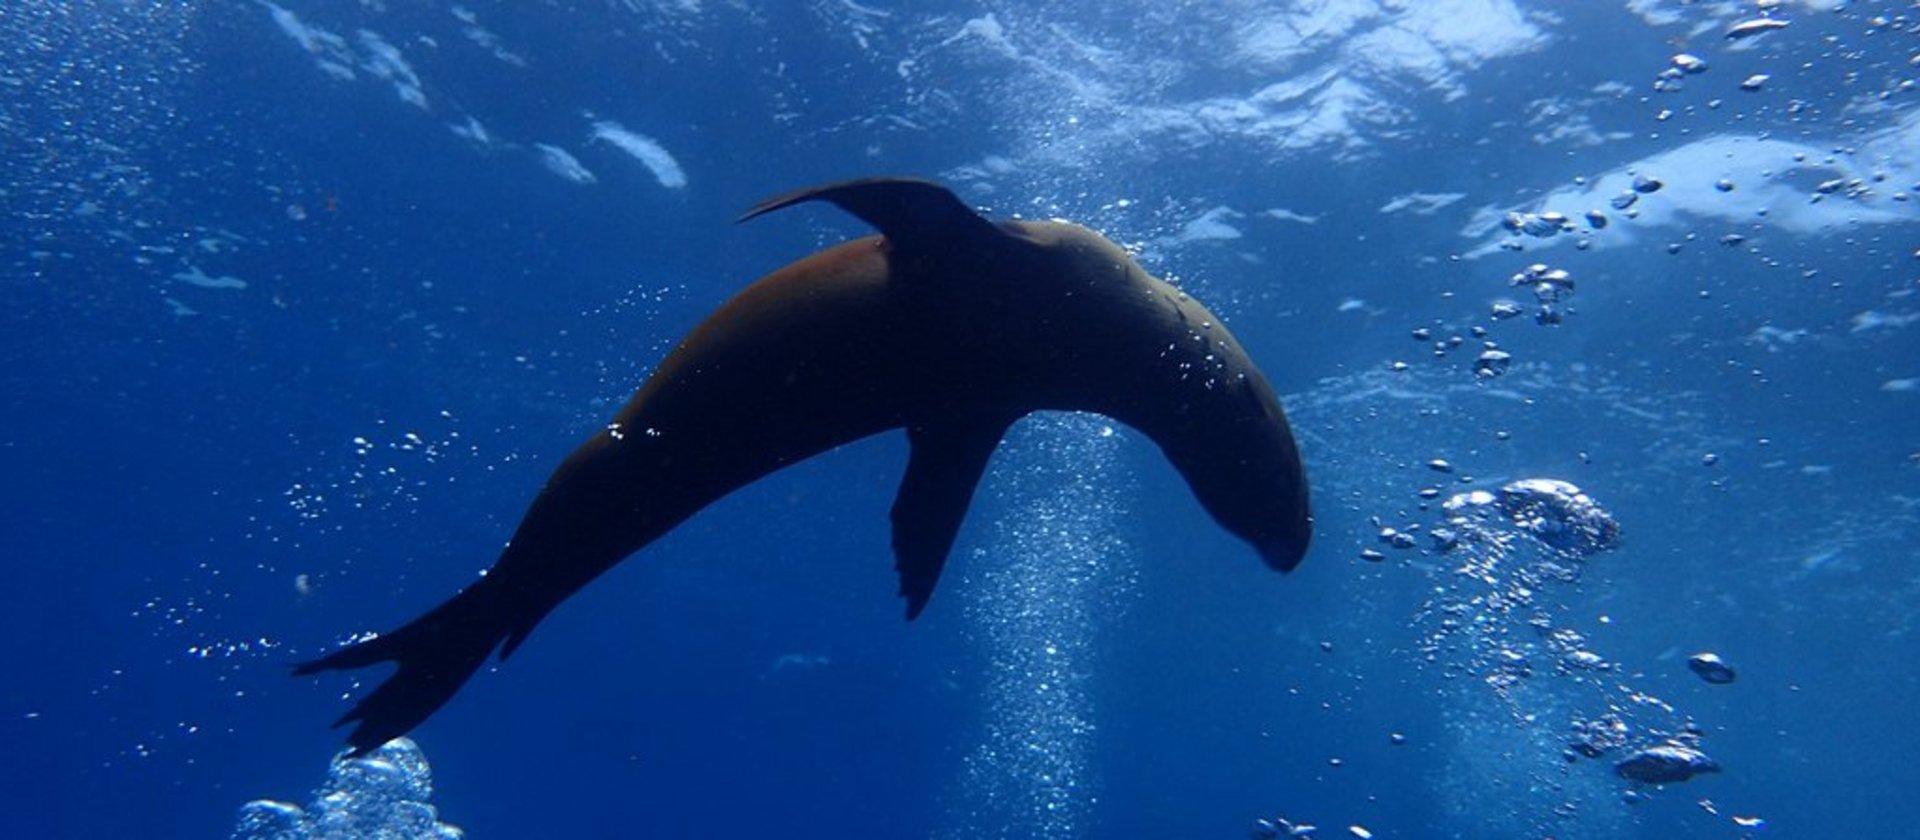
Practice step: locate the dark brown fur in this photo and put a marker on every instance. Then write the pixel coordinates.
(948, 326)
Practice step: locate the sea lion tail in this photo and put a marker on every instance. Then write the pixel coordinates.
(437, 653)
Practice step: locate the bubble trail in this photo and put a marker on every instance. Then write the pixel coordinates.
(1041, 588)
(1495, 623)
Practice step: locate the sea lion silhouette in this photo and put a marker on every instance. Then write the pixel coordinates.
(947, 325)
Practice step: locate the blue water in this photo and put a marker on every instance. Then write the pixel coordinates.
(303, 302)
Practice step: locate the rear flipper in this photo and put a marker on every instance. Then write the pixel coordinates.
(436, 652)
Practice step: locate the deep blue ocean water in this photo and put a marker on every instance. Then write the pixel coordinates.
(305, 299)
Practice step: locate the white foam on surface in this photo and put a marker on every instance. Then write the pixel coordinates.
(385, 61)
(194, 276)
(1421, 204)
(644, 149)
(562, 163)
(1285, 215)
(337, 57)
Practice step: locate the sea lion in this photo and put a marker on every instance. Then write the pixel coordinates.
(946, 325)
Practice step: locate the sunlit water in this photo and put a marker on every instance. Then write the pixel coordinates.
(304, 298)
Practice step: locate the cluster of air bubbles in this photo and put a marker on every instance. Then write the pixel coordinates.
(615, 317)
(1854, 188)
(385, 793)
(1492, 621)
(1491, 361)
(1407, 536)
(1601, 735)
(1679, 67)
(1209, 367)
(89, 87)
(382, 471)
(1554, 512)
(1550, 286)
(1280, 828)
(1684, 65)
(231, 649)
(643, 298)
(1539, 225)
(1547, 224)
(1276, 828)
(170, 614)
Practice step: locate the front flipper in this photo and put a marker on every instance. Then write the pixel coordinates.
(914, 215)
(946, 462)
